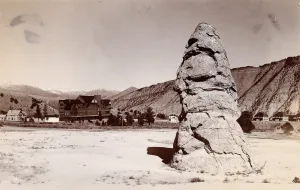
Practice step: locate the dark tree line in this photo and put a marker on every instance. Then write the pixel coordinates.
(14, 100)
(127, 119)
(245, 121)
(36, 104)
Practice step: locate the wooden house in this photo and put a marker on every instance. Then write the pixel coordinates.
(16, 115)
(173, 118)
(261, 116)
(280, 116)
(2, 117)
(84, 108)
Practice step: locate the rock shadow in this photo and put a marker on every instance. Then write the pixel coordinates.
(164, 153)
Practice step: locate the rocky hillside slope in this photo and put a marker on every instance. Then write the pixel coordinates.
(19, 96)
(160, 97)
(269, 88)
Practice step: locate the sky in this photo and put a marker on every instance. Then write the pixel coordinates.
(114, 44)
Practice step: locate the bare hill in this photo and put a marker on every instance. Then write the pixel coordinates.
(20, 96)
(104, 93)
(269, 88)
(124, 92)
(161, 97)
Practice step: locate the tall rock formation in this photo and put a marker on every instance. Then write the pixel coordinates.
(209, 139)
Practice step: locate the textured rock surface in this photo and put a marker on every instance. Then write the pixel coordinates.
(209, 138)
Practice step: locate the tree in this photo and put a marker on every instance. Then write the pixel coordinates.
(100, 117)
(140, 118)
(1, 94)
(45, 110)
(129, 119)
(149, 115)
(16, 101)
(35, 103)
(38, 112)
(245, 121)
(111, 120)
(287, 128)
(135, 114)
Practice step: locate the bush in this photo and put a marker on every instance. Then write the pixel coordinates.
(97, 123)
(287, 127)
(161, 116)
(196, 180)
(112, 120)
(129, 119)
(140, 120)
(1, 94)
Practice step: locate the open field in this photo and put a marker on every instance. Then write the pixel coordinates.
(87, 125)
(33, 158)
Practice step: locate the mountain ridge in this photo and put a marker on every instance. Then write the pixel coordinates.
(258, 90)
(268, 88)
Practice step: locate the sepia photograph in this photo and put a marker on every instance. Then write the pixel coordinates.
(149, 94)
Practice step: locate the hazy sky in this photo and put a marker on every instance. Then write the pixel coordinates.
(115, 44)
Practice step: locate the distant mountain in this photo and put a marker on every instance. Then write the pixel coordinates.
(268, 88)
(160, 97)
(27, 90)
(24, 94)
(104, 93)
(124, 92)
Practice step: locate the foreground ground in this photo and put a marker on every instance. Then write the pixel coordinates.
(73, 159)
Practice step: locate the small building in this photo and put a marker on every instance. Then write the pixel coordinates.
(2, 117)
(16, 115)
(51, 119)
(261, 116)
(84, 108)
(280, 116)
(294, 117)
(173, 118)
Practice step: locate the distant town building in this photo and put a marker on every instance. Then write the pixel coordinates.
(294, 117)
(84, 108)
(2, 117)
(173, 118)
(280, 116)
(261, 116)
(51, 119)
(16, 115)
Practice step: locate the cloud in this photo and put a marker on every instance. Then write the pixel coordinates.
(31, 37)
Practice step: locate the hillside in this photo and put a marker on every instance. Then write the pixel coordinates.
(27, 90)
(160, 97)
(124, 92)
(274, 87)
(269, 88)
(23, 95)
(104, 93)
(23, 102)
